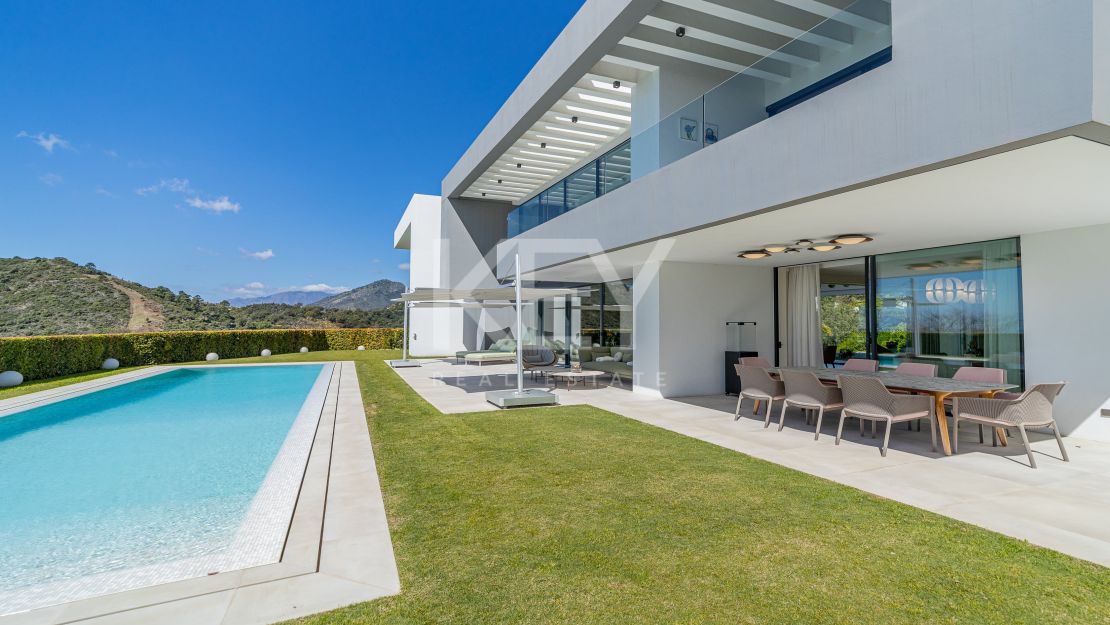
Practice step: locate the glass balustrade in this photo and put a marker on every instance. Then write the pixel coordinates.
(847, 44)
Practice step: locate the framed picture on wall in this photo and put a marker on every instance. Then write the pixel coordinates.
(688, 129)
(712, 133)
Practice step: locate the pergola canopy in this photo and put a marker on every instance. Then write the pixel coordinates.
(488, 296)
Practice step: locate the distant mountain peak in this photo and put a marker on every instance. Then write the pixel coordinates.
(284, 297)
(376, 295)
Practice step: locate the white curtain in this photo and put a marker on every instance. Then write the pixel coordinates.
(803, 316)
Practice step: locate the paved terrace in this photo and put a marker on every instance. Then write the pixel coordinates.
(1059, 505)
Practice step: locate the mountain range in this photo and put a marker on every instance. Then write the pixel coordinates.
(373, 296)
(57, 296)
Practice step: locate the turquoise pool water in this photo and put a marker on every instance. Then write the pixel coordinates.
(157, 470)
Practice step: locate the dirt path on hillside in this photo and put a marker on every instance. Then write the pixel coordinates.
(146, 316)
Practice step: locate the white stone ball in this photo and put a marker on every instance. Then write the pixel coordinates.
(304, 350)
(266, 352)
(10, 378)
(212, 356)
(109, 364)
(361, 348)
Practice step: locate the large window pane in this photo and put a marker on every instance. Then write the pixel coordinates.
(843, 310)
(953, 306)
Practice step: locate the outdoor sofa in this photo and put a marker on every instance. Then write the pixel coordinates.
(503, 350)
(620, 367)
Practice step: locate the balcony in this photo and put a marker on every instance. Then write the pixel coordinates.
(845, 44)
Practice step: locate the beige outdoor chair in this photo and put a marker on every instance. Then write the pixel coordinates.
(1033, 408)
(536, 357)
(758, 385)
(804, 390)
(867, 398)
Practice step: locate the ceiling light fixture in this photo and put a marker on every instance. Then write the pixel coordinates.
(543, 144)
(574, 119)
(753, 254)
(616, 84)
(824, 247)
(803, 243)
(680, 31)
(498, 181)
(518, 165)
(852, 239)
(775, 249)
(791, 250)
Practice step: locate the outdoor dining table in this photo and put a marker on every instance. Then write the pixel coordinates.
(939, 388)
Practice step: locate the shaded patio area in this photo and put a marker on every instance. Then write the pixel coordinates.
(1059, 505)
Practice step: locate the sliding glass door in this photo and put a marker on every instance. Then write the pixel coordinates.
(954, 307)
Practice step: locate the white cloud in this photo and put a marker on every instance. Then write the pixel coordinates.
(222, 204)
(46, 141)
(106, 193)
(177, 185)
(265, 254)
(250, 289)
(111, 153)
(50, 180)
(403, 266)
(320, 288)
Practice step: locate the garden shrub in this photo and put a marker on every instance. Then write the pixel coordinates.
(38, 357)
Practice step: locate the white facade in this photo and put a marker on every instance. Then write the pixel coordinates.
(989, 122)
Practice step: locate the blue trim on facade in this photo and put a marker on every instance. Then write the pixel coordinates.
(859, 68)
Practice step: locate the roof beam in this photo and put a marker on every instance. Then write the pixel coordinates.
(838, 13)
(740, 58)
(724, 32)
(739, 11)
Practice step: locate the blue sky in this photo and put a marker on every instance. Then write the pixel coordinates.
(213, 147)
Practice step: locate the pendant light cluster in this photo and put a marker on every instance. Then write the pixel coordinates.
(834, 243)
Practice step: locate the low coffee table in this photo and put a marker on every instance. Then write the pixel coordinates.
(572, 377)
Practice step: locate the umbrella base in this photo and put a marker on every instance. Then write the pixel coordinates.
(519, 399)
(400, 364)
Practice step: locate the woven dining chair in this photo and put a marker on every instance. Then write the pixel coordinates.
(986, 375)
(867, 398)
(861, 364)
(1033, 408)
(755, 361)
(758, 385)
(804, 390)
(922, 369)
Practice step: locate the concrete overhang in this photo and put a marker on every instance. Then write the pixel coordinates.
(1052, 185)
(597, 27)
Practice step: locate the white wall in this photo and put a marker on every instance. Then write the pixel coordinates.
(1067, 310)
(680, 310)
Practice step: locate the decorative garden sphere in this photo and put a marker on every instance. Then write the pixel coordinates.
(361, 348)
(212, 356)
(304, 350)
(10, 378)
(109, 364)
(266, 352)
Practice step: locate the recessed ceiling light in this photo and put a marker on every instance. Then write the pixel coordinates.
(852, 239)
(574, 119)
(920, 267)
(616, 84)
(824, 247)
(680, 31)
(753, 254)
(543, 145)
(776, 248)
(498, 181)
(518, 165)
(803, 243)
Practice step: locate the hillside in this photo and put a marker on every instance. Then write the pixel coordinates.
(285, 297)
(373, 296)
(57, 296)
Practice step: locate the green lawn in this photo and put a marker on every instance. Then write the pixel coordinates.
(577, 515)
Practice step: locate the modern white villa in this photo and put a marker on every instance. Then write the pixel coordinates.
(807, 181)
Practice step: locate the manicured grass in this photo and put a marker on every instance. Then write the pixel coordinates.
(42, 385)
(577, 515)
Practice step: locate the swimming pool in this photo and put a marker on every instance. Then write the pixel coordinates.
(180, 474)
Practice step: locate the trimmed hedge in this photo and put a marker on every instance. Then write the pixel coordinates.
(38, 357)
